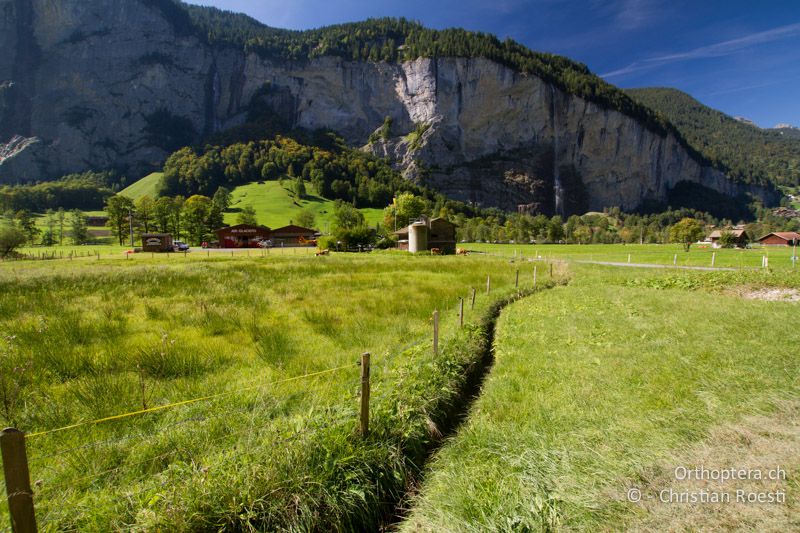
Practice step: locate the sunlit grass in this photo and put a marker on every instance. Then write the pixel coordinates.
(88, 339)
(662, 254)
(596, 382)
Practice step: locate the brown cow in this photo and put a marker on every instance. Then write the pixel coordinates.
(436, 251)
(462, 251)
(323, 252)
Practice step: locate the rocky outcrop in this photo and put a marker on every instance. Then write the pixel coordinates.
(111, 83)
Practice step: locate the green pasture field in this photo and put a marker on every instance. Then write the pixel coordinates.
(147, 186)
(120, 252)
(268, 347)
(276, 207)
(609, 384)
(662, 254)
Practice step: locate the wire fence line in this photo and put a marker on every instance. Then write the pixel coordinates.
(75, 484)
(181, 403)
(56, 519)
(20, 494)
(131, 437)
(57, 494)
(61, 486)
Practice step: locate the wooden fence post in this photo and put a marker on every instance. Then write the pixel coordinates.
(473, 298)
(364, 394)
(516, 281)
(675, 260)
(629, 258)
(488, 283)
(713, 258)
(551, 270)
(534, 276)
(18, 481)
(461, 312)
(436, 333)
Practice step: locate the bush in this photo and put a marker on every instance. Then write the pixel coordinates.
(728, 240)
(11, 238)
(358, 236)
(327, 243)
(387, 242)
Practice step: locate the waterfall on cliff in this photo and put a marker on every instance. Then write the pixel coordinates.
(558, 190)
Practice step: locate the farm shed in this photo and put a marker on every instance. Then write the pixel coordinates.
(96, 221)
(157, 242)
(739, 234)
(427, 234)
(293, 235)
(780, 238)
(242, 236)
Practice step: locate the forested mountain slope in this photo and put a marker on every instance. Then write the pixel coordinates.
(751, 153)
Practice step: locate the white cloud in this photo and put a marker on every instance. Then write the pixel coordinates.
(720, 49)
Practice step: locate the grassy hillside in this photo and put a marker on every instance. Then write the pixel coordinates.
(748, 151)
(147, 186)
(607, 385)
(275, 206)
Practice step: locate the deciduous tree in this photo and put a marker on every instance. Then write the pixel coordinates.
(687, 231)
(119, 209)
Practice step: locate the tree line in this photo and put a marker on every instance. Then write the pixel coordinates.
(60, 227)
(193, 218)
(339, 174)
(87, 191)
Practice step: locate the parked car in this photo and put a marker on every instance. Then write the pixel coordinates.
(180, 246)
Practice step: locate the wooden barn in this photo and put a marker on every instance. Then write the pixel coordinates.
(96, 221)
(242, 236)
(781, 238)
(293, 236)
(739, 234)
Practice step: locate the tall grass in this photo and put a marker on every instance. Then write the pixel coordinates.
(96, 339)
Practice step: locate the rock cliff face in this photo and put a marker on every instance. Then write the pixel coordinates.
(89, 84)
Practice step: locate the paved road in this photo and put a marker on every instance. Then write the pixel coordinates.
(651, 265)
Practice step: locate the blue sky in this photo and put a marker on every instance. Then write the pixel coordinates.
(742, 57)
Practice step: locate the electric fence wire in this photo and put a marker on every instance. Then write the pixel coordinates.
(183, 402)
(275, 443)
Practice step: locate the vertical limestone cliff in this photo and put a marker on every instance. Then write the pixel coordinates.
(97, 84)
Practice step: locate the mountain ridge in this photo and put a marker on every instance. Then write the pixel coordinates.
(127, 83)
(742, 147)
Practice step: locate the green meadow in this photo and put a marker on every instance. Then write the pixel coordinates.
(265, 351)
(275, 206)
(608, 384)
(779, 257)
(147, 186)
(212, 390)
